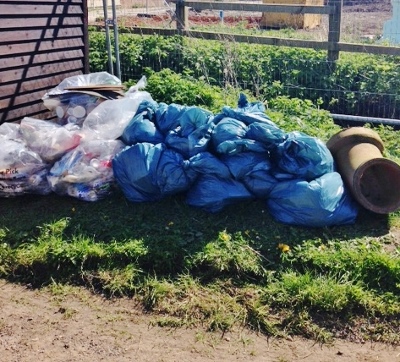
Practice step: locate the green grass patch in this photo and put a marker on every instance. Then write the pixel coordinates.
(218, 272)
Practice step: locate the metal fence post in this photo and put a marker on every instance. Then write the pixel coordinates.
(334, 29)
(182, 16)
(108, 41)
(116, 41)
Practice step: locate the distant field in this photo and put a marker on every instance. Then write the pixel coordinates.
(141, 3)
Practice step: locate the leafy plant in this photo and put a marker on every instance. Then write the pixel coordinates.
(358, 84)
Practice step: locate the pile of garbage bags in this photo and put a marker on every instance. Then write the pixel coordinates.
(151, 150)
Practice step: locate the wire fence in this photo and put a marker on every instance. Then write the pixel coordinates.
(363, 23)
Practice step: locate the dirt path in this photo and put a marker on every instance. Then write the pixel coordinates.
(40, 326)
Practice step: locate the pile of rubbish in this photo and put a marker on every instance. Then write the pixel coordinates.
(105, 139)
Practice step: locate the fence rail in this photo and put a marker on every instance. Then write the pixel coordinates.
(333, 9)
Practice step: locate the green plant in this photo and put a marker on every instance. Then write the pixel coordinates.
(358, 84)
(169, 87)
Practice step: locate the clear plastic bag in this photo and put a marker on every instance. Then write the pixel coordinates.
(109, 119)
(86, 172)
(78, 81)
(50, 140)
(22, 171)
(10, 131)
(72, 107)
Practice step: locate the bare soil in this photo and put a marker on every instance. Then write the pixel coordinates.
(36, 325)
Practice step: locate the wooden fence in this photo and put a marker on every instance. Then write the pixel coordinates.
(332, 45)
(41, 43)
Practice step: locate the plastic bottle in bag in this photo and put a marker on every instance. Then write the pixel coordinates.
(82, 191)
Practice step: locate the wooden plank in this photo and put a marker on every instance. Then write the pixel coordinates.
(16, 114)
(34, 10)
(43, 114)
(22, 99)
(27, 60)
(27, 101)
(4, 103)
(17, 36)
(40, 46)
(40, 2)
(32, 23)
(38, 114)
(52, 80)
(334, 30)
(256, 7)
(44, 82)
(38, 73)
(266, 40)
(369, 48)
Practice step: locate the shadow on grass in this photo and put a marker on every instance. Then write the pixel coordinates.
(117, 218)
(169, 229)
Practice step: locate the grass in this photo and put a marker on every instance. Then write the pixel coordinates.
(236, 268)
(220, 271)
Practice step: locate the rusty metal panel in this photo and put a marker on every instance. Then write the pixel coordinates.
(41, 43)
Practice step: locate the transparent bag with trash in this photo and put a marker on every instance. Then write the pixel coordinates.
(10, 130)
(83, 80)
(22, 171)
(110, 118)
(76, 96)
(50, 140)
(86, 172)
(74, 107)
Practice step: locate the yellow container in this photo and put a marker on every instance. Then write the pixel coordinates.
(287, 20)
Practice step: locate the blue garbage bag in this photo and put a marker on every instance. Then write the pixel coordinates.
(254, 170)
(141, 129)
(171, 176)
(215, 186)
(205, 163)
(230, 137)
(147, 172)
(150, 107)
(167, 116)
(233, 147)
(247, 112)
(228, 129)
(212, 193)
(303, 156)
(134, 171)
(269, 135)
(241, 164)
(192, 119)
(321, 202)
(193, 143)
(260, 181)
